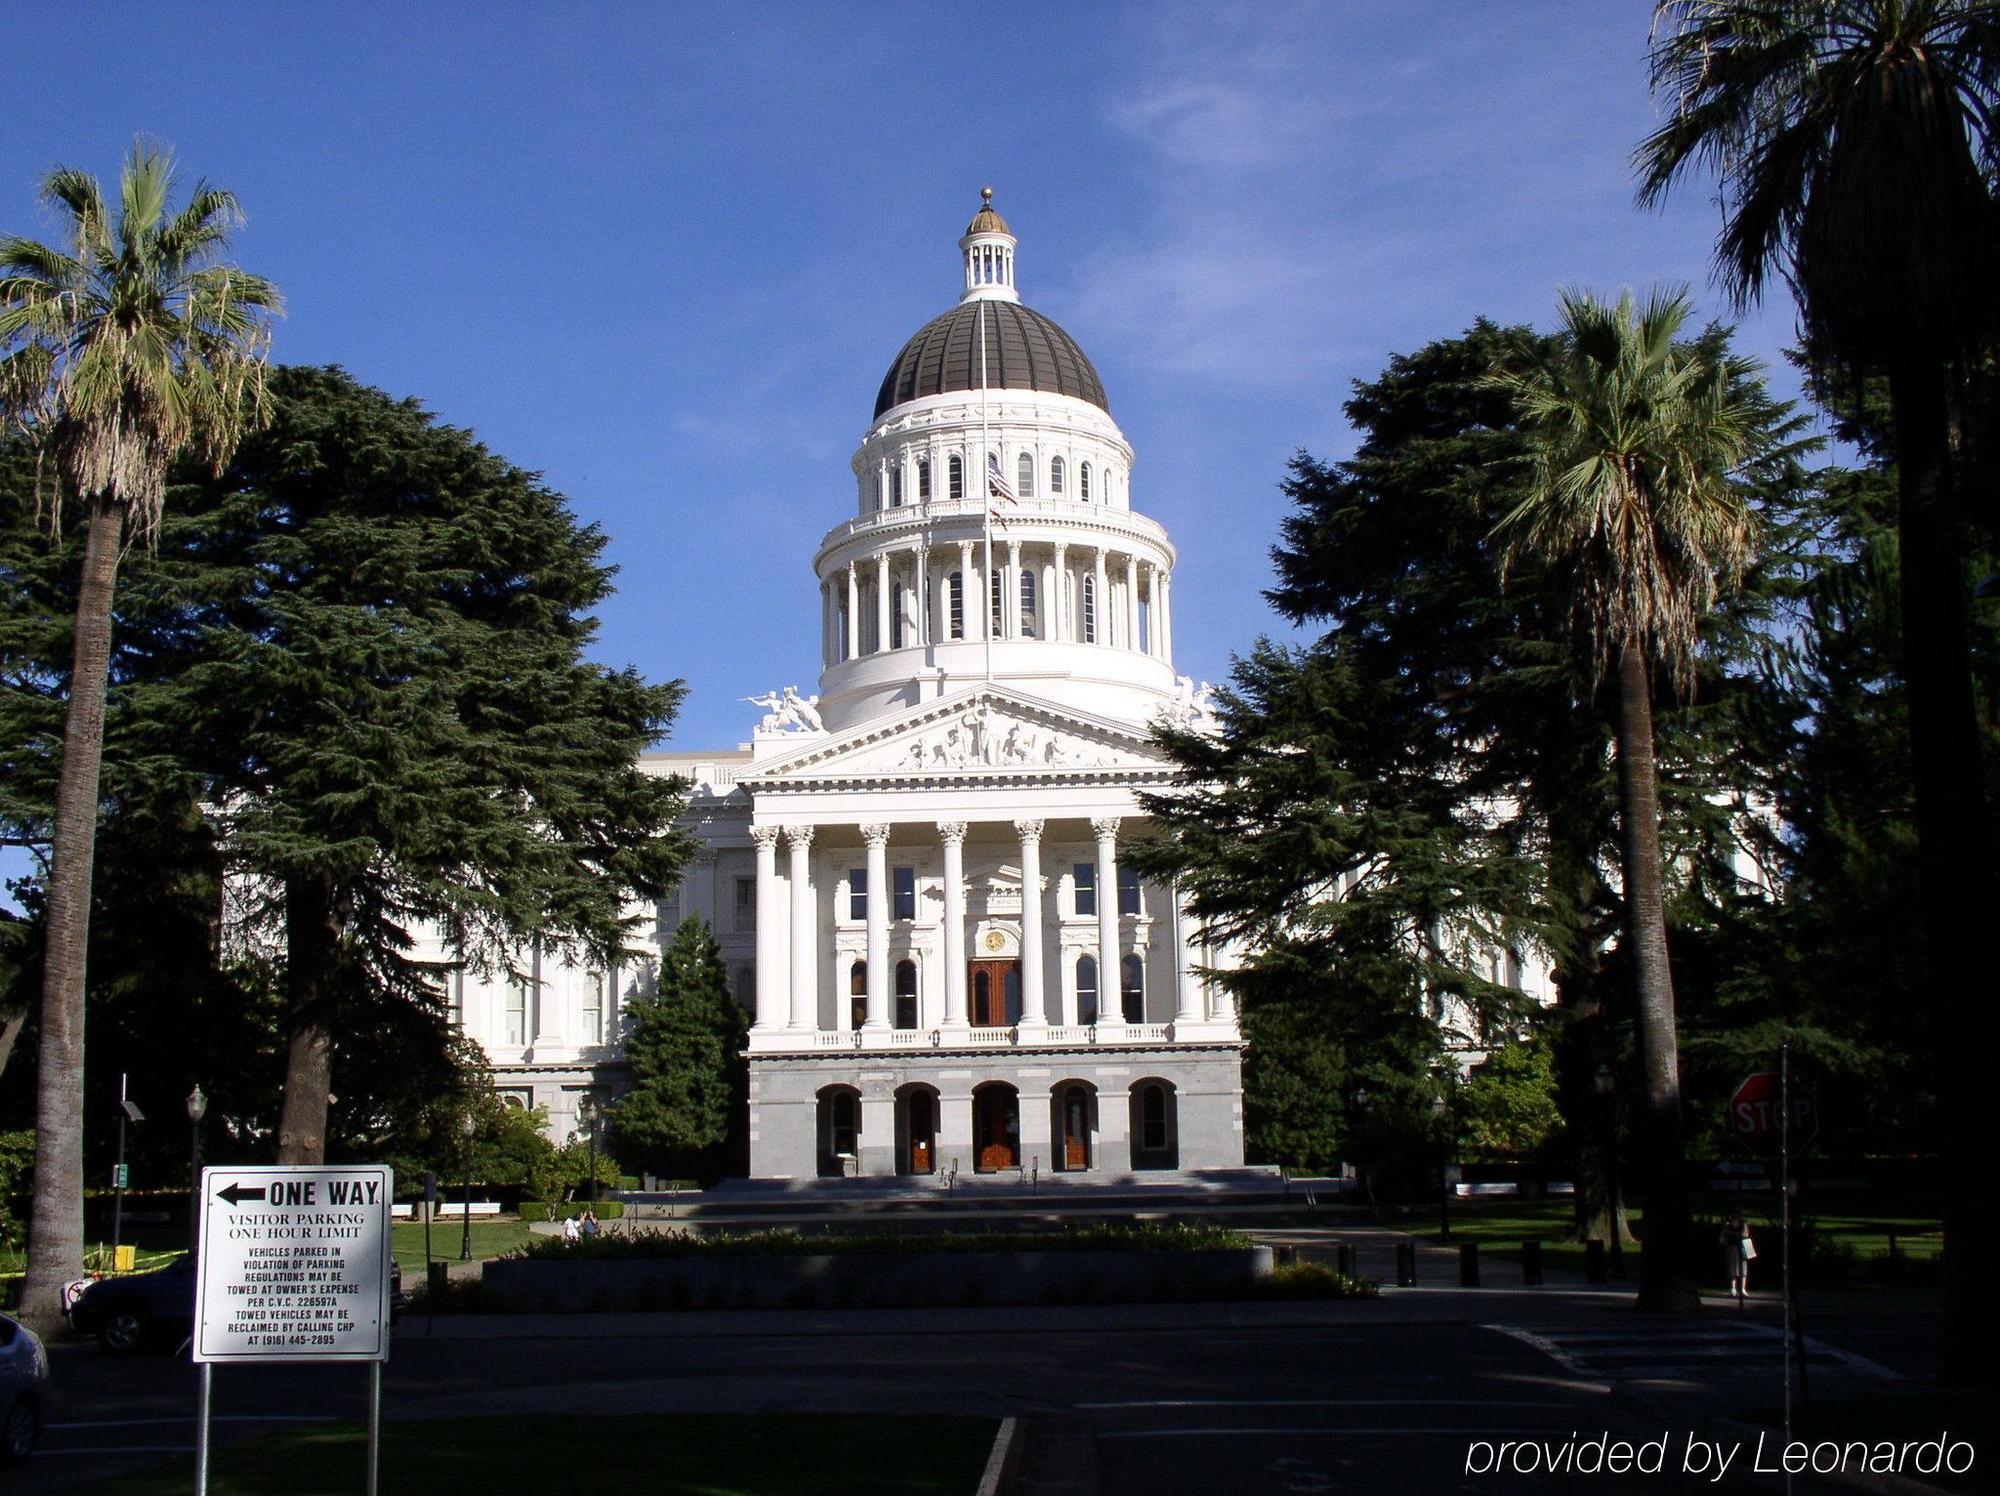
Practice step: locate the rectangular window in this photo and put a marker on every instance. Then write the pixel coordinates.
(903, 881)
(590, 1014)
(1028, 603)
(857, 893)
(995, 595)
(517, 1010)
(746, 903)
(896, 618)
(1086, 888)
(1128, 890)
(954, 588)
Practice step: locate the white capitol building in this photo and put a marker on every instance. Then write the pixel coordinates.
(915, 874)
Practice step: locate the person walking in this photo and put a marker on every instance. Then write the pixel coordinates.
(1738, 1250)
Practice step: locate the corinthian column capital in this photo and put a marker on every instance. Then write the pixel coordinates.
(951, 833)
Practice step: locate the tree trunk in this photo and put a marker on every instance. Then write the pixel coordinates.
(312, 940)
(1955, 848)
(55, 1224)
(1663, 1280)
(10, 1030)
(1585, 1044)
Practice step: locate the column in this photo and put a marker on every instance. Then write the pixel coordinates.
(1166, 616)
(1221, 1001)
(1033, 1011)
(877, 838)
(920, 560)
(805, 930)
(1109, 1009)
(1059, 599)
(882, 590)
(1132, 639)
(853, 613)
(825, 625)
(972, 594)
(1011, 609)
(1187, 990)
(952, 835)
(941, 603)
(770, 928)
(1101, 599)
(1153, 611)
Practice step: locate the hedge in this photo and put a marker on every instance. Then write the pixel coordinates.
(1105, 1238)
(538, 1210)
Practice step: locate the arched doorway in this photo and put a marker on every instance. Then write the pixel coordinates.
(1072, 1123)
(1156, 1142)
(916, 1130)
(839, 1125)
(996, 1128)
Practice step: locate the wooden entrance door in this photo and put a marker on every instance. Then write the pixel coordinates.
(991, 984)
(1076, 1128)
(922, 1131)
(996, 1130)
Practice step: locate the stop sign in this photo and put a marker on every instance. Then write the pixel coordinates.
(1756, 1115)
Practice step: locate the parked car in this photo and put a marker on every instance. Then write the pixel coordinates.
(140, 1309)
(24, 1390)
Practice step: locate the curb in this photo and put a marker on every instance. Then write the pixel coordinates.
(1717, 1423)
(1004, 1462)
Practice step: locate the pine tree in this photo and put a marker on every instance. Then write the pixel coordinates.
(687, 1105)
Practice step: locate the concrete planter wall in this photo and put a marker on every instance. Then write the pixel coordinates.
(860, 1281)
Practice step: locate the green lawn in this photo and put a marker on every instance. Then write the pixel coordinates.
(1855, 1233)
(680, 1455)
(489, 1239)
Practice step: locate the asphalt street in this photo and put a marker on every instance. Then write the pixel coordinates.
(1389, 1395)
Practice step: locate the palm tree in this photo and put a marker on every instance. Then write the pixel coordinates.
(1856, 143)
(119, 352)
(1632, 500)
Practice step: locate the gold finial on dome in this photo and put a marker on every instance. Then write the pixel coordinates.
(986, 220)
(986, 196)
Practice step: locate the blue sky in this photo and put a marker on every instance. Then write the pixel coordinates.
(663, 254)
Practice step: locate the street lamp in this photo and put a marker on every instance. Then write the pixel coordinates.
(467, 1125)
(126, 1112)
(1448, 1139)
(197, 1108)
(587, 1114)
(1606, 1084)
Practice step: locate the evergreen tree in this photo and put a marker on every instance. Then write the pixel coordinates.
(690, 1082)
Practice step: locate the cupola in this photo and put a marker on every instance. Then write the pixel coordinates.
(988, 250)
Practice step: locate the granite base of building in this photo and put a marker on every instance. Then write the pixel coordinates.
(1084, 1112)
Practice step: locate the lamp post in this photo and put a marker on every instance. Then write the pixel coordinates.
(466, 1126)
(197, 1108)
(1358, 1099)
(1448, 1142)
(1607, 1090)
(126, 1111)
(587, 1114)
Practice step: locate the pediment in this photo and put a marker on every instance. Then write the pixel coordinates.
(986, 731)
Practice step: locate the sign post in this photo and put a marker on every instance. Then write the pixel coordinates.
(294, 1265)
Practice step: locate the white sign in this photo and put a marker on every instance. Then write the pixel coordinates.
(294, 1263)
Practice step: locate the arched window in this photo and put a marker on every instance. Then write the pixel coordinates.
(954, 594)
(954, 477)
(1089, 608)
(923, 478)
(1086, 989)
(1024, 476)
(857, 994)
(906, 994)
(1028, 603)
(1083, 483)
(1132, 989)
(1055, 476)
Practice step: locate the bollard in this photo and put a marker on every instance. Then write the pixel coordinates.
(1345, 1259)
(1531, 1264)
(434, 1285)
(1406, 1264)
(1286, 1256)
(1593, 1260)
(1468, 1264)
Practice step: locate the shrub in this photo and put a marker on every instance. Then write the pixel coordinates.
(539, 1210)
(1102, 1238)
(1313, 1280)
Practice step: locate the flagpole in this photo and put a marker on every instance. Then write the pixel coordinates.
(986, 508)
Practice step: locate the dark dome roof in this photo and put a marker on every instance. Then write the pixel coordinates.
(1024, 351)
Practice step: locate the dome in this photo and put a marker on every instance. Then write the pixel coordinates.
(1024, 351)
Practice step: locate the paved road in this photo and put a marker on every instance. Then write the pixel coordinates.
(1381, 1396)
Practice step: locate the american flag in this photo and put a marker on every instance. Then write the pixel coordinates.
(998, 490)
